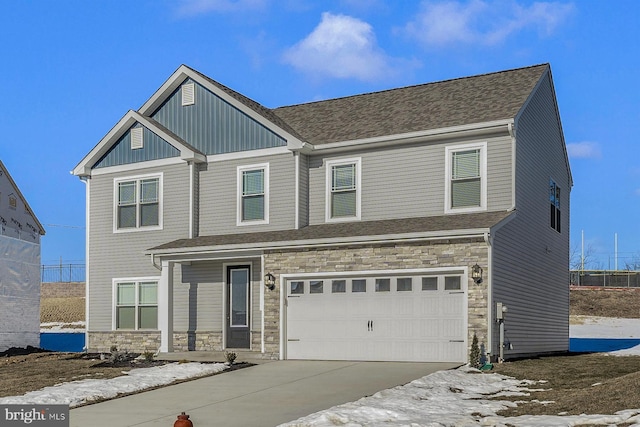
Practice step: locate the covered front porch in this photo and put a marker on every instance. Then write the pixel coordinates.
(210, 303)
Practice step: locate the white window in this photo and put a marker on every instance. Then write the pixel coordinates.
(343, 190)
(135, 304)
(253, 194)
(188, 94)
(466, 178)
(138, 203)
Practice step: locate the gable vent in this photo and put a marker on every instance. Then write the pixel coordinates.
(188, 94)
(137, 141)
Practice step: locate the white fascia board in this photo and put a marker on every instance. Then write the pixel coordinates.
(184, 72)
(84, 167)
(463, 131)
(340, 241)
(186, 153)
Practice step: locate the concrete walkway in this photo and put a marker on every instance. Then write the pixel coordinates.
(264, 395)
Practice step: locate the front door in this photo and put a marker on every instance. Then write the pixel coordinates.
(238, 334)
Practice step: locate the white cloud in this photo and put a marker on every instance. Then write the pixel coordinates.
(198, 7)
(484, 22)
(584, 150)
(341, 47)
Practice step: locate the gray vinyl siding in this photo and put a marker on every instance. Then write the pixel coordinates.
(204, 301)
(530, 259)
(303, 185)
(121, 153)
(121, 255)
(212, 125)
(219, 196)
(409, 181)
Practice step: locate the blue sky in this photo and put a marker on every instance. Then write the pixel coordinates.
(72, 69)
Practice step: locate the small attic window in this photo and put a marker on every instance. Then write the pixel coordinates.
(188, 94)
(137, 140)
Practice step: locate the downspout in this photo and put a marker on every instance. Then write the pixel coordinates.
(262, 273)
(191, 199)
(296, 157)
(512, 134)
(488, 239)
(85, 180)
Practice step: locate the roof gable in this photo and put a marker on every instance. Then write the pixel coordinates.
(477, 99)
(212, 124)
(14, 216)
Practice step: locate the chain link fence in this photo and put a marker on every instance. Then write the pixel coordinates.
(62, 273)
(606, 278)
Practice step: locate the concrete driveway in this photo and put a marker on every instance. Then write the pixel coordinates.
(264, 395)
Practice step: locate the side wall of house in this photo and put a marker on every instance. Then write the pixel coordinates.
(409, 181)
(530, 259)
(121, 255)
(19, 293)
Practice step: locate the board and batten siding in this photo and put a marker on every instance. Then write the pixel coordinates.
(531, 259)
(121, 255)
(212, 125)
(303, 188)
(153, 148)
(219, 195)
(409, 181)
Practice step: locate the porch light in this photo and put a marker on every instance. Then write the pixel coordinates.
(270, 281)
(476, 274)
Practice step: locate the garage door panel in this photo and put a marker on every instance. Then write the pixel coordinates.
(408, 324)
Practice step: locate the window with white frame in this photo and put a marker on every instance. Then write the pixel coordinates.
(253, 194)
(466, 178)
(554, 200)
(138, 203)
(136, 305)
(343, 190)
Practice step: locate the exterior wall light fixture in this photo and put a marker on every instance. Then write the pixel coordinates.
(476, 274)
(270, 281)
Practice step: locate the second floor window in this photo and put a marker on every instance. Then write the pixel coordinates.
(466, 182)
(138, 203)
(253, 197)
(343, 190)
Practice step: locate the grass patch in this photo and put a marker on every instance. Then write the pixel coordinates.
(577, 384)
(605, 302)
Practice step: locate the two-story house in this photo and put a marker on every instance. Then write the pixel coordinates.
(20, 233)
(392, 225)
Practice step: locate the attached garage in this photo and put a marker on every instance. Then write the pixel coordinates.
(410, 315)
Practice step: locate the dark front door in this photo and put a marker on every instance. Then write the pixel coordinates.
(238, 291)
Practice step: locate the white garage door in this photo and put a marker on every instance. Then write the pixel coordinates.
(418, 318)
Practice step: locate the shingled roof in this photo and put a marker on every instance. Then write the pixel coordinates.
(337, 231)
(468, 100)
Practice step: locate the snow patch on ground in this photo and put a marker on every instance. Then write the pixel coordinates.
(90, 390)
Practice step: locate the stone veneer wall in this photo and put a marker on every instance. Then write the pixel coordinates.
(440, 253)
(141, 341)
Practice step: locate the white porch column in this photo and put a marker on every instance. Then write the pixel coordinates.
(165, 307)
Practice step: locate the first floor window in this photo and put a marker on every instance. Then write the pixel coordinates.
(554, 201)
(138, 203)
(137, 305)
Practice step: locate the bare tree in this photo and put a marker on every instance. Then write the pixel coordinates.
(633, 263)
(576, 260)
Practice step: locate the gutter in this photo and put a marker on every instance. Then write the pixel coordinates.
(319, 243)
(471, 130)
